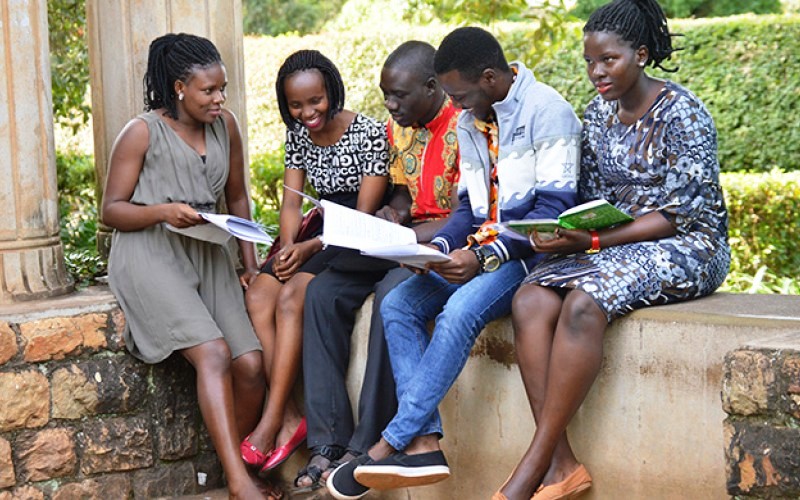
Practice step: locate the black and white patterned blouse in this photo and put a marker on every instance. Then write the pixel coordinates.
(338, 168)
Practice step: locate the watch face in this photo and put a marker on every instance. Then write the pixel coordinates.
(491, 263)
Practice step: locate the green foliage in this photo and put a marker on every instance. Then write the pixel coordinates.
(266, 187)
(359, 55)
(745, 69)
(764, 214)
(694, 8)
(275, 17)
(78, 216)
(466, 11)
(69, 61)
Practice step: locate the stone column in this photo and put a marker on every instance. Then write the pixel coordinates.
(119, 34)
(31, 255)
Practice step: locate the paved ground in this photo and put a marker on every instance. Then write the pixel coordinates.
(320, 494)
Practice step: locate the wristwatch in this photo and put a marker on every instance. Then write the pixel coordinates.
(487, 259)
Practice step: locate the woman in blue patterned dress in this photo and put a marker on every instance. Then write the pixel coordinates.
(649, 148)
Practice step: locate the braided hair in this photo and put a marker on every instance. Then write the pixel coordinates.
(640, 22)
(305, 60)
(469, 50)
(174, 57)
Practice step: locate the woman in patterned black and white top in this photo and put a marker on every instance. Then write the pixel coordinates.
(344, 156)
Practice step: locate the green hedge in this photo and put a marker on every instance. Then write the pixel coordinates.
(694, 8)
(747, 72)
(746, 69)
(764, 212)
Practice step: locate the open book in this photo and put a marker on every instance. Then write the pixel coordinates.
(597, 214)
(221, 227)
(375, 237)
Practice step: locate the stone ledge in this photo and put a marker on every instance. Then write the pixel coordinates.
(652, 425)
(80, 417)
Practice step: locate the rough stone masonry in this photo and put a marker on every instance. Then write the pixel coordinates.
(81, 418)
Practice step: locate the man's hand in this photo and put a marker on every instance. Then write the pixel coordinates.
(463, 267)
(390, 214)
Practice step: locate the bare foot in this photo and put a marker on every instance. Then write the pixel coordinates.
(317, 465)
(249, 490)
(287, 430)
(381, 450)
(423, 444)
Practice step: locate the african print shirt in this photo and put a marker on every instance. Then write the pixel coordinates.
(425, 159)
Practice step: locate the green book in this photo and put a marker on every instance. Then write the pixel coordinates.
(597, 214)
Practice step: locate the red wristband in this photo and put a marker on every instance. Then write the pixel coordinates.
(595, 242)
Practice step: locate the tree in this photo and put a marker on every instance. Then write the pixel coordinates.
(69, 61)
(551, 18)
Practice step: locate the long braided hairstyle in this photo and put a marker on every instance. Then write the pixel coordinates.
(174, 57)
(305, 60)
(640, 22)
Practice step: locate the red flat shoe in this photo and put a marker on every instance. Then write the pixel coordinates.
(280, 454)
(251, 455)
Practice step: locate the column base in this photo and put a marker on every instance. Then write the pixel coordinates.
(34, 274)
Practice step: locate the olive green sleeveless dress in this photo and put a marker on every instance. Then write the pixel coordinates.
(176, 291)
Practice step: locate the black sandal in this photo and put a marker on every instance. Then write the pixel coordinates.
(313, 471)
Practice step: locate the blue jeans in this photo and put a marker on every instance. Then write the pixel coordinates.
(425, 366)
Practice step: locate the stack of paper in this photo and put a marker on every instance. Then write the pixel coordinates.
(375, 237)
(221, 227)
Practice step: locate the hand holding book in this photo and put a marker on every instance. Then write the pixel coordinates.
(597, 214)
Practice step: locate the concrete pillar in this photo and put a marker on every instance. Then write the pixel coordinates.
(31, 254)
(119, 35)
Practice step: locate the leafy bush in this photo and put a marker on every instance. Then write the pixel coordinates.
(693, 8)
(78, 216)
(275, 17)
(764, 212)
(745, 69)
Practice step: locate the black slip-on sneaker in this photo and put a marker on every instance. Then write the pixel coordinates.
(403, 471)
(341, 483)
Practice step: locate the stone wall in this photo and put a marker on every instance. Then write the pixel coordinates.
(81, 418)
(761, 395)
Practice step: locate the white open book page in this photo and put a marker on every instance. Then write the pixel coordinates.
(222, 226)
(374, 236)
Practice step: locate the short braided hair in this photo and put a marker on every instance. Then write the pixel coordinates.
(469, 50)
(305, 60)
(173, 57)
(640, 22)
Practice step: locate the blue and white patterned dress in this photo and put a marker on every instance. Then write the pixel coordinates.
(666, 161)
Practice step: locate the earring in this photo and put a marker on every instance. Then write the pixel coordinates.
(641, 65)
(180, 96)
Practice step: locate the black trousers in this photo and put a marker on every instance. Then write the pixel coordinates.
(333, 298)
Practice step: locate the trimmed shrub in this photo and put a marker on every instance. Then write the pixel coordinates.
(745, 69)
(693, 8)
(764, 212)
